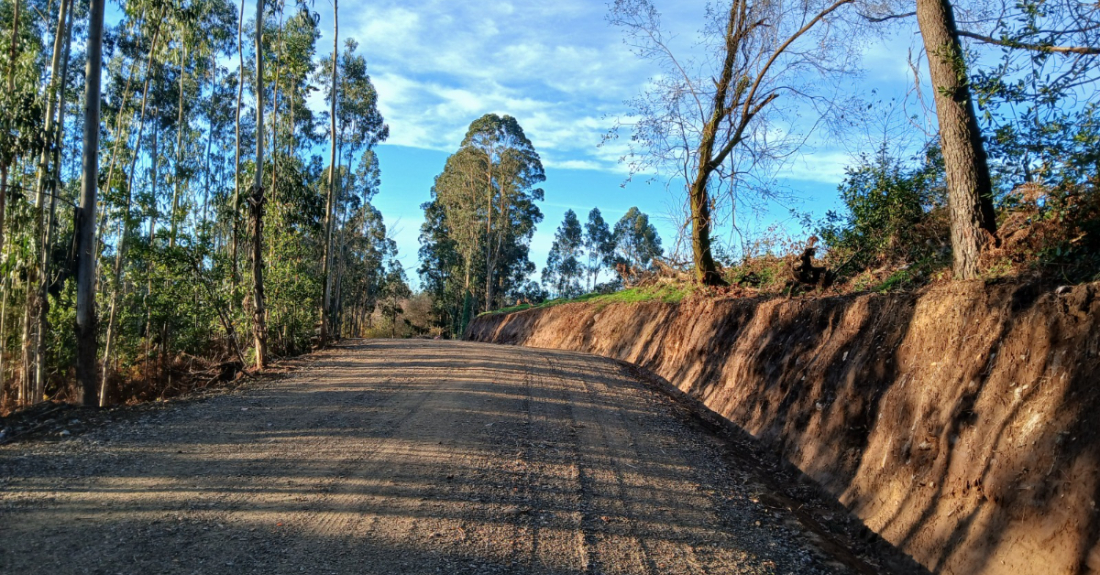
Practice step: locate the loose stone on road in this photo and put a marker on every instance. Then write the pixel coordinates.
(401, 457)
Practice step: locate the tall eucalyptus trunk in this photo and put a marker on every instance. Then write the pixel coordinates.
(4, 164)
(236, 215)
(173, 218)
(256, 205)
(327, 264)
(86, 344)
(209, 145)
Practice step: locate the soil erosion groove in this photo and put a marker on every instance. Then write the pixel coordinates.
(404, 457)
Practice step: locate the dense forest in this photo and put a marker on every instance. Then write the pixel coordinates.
(172, 196)
(165, 192)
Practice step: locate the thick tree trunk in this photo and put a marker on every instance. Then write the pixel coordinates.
(326, 266)
(969, 190)
(86, 344)
(259, 320)
(706, 272)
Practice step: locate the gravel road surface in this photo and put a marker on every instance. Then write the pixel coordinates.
(402, 457)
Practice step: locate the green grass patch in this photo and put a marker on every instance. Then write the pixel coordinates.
(665, 293)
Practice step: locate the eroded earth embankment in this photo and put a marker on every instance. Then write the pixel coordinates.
(960, 423)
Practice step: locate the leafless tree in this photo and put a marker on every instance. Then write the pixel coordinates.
(723, 121)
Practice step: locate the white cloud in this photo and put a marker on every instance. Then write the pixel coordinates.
(557, 67)
(825, 167)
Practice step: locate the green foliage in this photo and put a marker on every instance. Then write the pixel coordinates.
(478, 225)
(888, 212)
(563, 269)
(636, 242)
(599, 244)
(666, 292)
(183, 301)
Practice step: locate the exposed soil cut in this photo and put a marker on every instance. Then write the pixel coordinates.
(420, 457)
(961, 423)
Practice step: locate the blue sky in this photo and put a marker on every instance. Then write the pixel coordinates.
(564, 73)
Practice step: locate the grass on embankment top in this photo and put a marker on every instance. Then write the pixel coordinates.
(665, 292)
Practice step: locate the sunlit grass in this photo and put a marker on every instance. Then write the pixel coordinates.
(671, 292)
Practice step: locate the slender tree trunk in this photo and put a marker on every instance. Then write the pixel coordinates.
(257, 204)
(29, 359)
(5, 166)
(152, 238)
(86, 343)
(274, 199)
(173, 216)
(236, 215)
(489, 263)
(120, 255)
(969, 190)
(61, 44)
(27, 363)
(209, 145)
(327, 264)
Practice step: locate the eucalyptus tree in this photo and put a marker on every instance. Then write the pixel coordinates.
(86, 333)
(636, 241)
(44, 185)
(356, 126)
(235, 213)
(480, 220)
(598, 245)
(333, 89)
(563, 266)
(444, 272)
(394, 289)
(21, 140)
(498, 173)
(126, 219)
(256, 203)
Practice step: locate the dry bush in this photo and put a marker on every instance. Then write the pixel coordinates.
(1048, 233)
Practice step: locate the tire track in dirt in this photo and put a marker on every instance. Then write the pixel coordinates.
(398, 457)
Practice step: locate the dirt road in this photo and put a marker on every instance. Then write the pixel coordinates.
(401, 457)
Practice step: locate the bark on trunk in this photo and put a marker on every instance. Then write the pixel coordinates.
(706, 272)
(327, 264)
(236, 215)
(969, 190)
(172, 217)
(256, 205)
(86, 344)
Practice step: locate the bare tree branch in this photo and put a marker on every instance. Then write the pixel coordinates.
(1032, 47)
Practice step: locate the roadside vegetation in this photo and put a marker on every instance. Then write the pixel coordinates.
(179, 211)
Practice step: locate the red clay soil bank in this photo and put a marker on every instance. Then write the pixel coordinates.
(960, 423)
